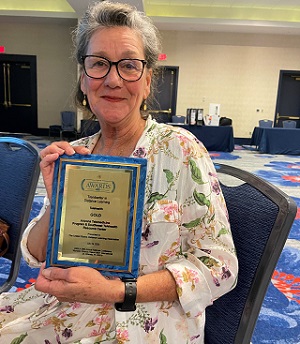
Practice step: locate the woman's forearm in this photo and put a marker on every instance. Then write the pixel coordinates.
(158, 286)
(38, 237)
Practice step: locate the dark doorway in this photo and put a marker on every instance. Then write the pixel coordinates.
(288, 98)
(18, 94)
(164, 105)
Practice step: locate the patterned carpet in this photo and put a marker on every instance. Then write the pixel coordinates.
(279, 319)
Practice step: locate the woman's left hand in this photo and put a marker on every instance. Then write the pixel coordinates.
(79, 284)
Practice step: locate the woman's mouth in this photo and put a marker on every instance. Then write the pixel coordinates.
(112, 99)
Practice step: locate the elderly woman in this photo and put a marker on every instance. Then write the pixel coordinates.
(187, 257)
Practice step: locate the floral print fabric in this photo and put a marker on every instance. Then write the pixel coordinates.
(185, 230)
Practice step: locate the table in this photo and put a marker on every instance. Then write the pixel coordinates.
(277, 140)
(214, 138)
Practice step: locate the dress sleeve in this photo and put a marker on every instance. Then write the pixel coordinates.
(32, 261)
(206, 266)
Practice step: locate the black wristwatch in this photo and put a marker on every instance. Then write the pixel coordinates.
(130, 296)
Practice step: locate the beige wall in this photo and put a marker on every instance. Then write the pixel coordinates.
(56, 72)
(238, 71)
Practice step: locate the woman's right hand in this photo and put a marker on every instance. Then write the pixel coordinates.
(50, 154)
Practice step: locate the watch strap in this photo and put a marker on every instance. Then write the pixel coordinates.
(130, 296)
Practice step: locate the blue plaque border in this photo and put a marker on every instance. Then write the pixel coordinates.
(138, 167)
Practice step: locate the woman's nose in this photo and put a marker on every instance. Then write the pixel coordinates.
(113, 78)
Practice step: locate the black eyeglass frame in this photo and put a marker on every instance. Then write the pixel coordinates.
(144, 62)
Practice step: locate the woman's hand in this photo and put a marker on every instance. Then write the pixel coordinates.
(38, 235)
(50, 154)
(79, 284)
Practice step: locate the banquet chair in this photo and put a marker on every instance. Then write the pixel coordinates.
(178, 119)
(289, 124)
(68, 124)
(19, 174)
(265, 123)
(261, 216)
(161, 116)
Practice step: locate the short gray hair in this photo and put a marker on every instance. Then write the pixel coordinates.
(106, 14)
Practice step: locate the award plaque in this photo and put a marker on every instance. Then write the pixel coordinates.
(96, 213)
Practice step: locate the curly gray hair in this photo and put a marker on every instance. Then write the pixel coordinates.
(106, 14)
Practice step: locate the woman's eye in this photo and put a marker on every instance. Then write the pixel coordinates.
(129, 65)
(99, 64)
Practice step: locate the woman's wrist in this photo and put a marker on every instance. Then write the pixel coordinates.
(128, 303)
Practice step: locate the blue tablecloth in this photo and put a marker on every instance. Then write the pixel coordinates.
(277, 140)
(214, 138)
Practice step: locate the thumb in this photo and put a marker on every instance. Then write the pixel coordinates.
(54, 273)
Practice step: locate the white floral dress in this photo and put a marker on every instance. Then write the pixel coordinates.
(185, 230)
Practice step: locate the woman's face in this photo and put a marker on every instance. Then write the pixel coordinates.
(111, 98)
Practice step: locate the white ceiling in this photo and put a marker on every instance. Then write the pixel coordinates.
(252, 16)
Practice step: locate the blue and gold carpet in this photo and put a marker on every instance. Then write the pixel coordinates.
(279, 319)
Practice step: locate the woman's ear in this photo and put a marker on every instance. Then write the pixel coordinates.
(148, 83)
(82, 84)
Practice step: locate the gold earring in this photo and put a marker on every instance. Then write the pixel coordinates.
(145, 106)
(84, 100)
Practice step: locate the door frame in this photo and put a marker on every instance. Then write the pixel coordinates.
(278, 118)
(156, 109)
(32, 60)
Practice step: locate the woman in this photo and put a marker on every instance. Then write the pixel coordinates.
(187, 254)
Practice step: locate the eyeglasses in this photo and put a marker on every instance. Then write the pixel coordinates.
(97, 67)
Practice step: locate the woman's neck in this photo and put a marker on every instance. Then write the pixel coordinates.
(119, 141)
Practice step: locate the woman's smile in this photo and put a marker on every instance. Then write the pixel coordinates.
(113, 99)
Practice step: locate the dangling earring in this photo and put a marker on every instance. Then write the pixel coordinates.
(84, 100)
(144, 105)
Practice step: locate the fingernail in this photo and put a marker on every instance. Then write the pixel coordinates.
(70, 151)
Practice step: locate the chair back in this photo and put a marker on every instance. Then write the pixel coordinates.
(265, 123)
(289, 124)
(261, 216)
(68, 120)
(68, 123)
(19, 174)
(161, 116)
(225, 121)
(178, 119)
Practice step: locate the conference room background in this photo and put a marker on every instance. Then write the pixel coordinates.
(238, 71)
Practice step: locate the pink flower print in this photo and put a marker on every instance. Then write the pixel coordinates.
(190, 276)
(76, 305)
(122, 336)
(182, 326)
(98, 333)
(178, 277)
(214, 183)
(170, 208)
(62, 314)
